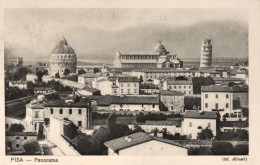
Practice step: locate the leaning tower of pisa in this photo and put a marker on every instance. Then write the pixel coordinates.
(206, 53)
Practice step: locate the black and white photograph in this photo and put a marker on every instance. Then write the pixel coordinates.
(126, 82)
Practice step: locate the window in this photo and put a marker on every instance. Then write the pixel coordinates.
(172, 108)
(135, 85)
(51, 111)
(121, 84)
(206, 105)
(61, 111)
(190, 124)
(190, 87)
(128, 91)
(25, 138)
(79, 111)
(36, 114)
(122, 90)
(17, 145)
(209, 125)
(185, 92)
(17, 137)
(128, 85)
(153, 106)
(79, 123)
(135, 90)
(184, 87)
(227, 96)
(227, 105)
(180, 87)
(190, 92)
(239, 114)
(142, 105)
(6, 126)
(216, 105)
(206, 96)
(216, 95)
(70, 111)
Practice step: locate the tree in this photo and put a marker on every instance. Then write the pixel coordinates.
(57, 75)
(84, 144)
(181, 78)
(141, 79)
(190, 102)
(96, 70)
(100, 136)
(81, 71)
(241, 149)
(222, 148)
(39, 75)
(16, 128)
(231, 84)
(66, 72)
(205, 134)
(245, 112)
(201, 81)
(45, 72)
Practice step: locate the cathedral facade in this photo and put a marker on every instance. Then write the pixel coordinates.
(158, 58)
(63, 57)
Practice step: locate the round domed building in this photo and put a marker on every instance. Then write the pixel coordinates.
(63, 57)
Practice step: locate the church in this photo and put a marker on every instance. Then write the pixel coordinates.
(158, 58)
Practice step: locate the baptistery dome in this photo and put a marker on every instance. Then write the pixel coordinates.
(63, 58)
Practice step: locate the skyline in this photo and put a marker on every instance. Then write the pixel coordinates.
(95, 34)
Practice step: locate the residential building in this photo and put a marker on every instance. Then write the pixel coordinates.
(88, 92)
(87, 79)
(127, 85)
(18, 84)
(16, 140)
(42, 90)
(172, 101)
(141, 144)
(79, 112)
(159, 58)
(31, 77)
(195, 121)
(183, 86)
(225, 100)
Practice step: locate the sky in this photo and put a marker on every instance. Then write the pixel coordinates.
(34, 33)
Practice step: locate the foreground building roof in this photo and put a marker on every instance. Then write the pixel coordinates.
(135, 139)
(200, 115)
(219, 88)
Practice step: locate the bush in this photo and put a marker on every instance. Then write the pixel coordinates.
(16, 128)
(233, 135)
(241, 149)
(222, 148)
(199, 151)
(205, 134)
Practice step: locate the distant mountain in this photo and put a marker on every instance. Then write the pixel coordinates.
(229, 39)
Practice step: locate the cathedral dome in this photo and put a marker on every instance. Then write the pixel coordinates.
(159, 48)
(63, 48)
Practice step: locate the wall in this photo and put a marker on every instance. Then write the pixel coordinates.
(56, 130)
(154, 148)
(134, 107)
(193, 129)
(21, 141)
(175, 102)
(128, 88)
(186, 89)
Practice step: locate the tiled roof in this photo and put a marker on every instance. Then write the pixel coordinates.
(61, 103)
(42, 88)
(219, 88)
(169, 71)
(92, 89)
(203, 115)
(177, 123)
(135, 100)
(180, 82)
(21, 133)
(128, 79)
(173, 93)
(234, 124)
(136, 138)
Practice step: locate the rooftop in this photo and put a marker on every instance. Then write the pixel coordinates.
(21, 133)
(128, 79)
(83, 102)
(180, 82)
(200, 115)
(136, 138)
(42, 88)
(173, 93)
(219, 88)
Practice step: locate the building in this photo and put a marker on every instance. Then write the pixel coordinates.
(195, 121)
(159, 73)
(63, 57)
(172, 101)
(136, 104)
(31, 77)
(19, 61)
(79, 112)
(42, 90)
(183, 86)
(105, 85)
(159, 58)
(87, 92)
(206, 53)
(127, 86)
(225, 100)
(87, 79)
(16, 140)
(18, 84)
(141, 144)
